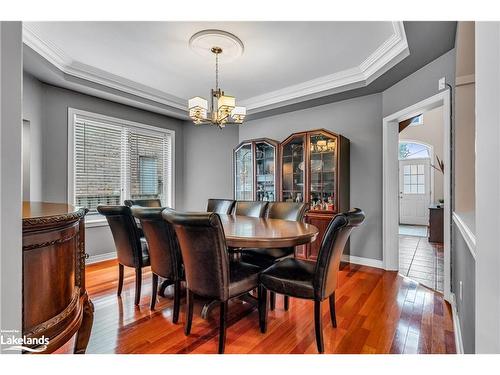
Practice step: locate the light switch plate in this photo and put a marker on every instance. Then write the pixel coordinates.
(442, 83)
(461, 290)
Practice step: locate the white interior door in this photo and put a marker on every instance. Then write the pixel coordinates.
(414, 191)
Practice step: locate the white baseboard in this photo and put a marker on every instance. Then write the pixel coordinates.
(363, 261)
(101, 257)
(456, 326)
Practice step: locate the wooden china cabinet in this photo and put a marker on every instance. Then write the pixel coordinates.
(314, 168)
(255, 169)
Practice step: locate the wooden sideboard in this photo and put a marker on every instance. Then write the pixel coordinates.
(55, 301)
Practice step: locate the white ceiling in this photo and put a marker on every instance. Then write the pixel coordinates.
(281, 60)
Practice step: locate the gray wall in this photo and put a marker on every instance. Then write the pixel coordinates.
(56, 102)
(464, 267)
(420, 85)
(10, 177)
(203, 155)
(360, 120)
(207, 164)
(32, 112)
(50, 104)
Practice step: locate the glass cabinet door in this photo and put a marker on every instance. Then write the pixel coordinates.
(293, 170)
(265, 161)
(243, 173)
(323, 162)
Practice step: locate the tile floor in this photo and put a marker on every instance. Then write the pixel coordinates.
(413, 230)
(421, 261)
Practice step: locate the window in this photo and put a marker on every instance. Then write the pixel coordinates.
(417, 120)
(112, 160)
(148, 177)
(414, 179)
(409, 150)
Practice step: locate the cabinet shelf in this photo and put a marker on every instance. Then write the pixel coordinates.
(323, 176)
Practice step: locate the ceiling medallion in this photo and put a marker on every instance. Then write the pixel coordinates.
(223, 110)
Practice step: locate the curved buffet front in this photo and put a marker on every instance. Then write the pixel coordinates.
(55, 302)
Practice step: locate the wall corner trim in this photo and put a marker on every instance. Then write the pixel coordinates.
(456, 326)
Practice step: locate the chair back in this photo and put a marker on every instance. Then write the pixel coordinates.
(125, 234)
(220, 206)
(287, 211)
(204, 252)
(327, 265)
(142, 202)
(250, 208)
(164, 252)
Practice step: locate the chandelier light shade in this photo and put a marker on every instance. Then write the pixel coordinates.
(238, 114)
(222, 110)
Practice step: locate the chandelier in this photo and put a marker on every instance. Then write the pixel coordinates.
(223, 109)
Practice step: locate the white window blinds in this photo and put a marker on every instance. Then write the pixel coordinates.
(114, 162)
(147, 165)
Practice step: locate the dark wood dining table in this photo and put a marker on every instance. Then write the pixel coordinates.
(260, 233)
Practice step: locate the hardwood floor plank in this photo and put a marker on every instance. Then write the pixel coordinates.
(377, 312)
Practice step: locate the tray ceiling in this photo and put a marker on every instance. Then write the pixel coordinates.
(282, 61)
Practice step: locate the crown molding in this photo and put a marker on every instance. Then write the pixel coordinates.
(55, 56)
(391, 52)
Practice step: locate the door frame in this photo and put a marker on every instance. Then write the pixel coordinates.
(390, 182)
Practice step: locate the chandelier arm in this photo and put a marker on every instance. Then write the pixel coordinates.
(225, 117)
(216, 71)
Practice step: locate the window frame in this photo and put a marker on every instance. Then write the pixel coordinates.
(73, 113)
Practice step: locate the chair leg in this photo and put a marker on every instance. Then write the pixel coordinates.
(177, 301)
(153, 293)
(272, 301)
(120, 279)
(138, 283)
(262, 309)
(332, 310)
(189, 312)
(317, 326)
(222, 326)
(287, 303)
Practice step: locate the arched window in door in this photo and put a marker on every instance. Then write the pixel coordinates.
(413, 150)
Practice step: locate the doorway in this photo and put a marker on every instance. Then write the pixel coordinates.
(409, 194)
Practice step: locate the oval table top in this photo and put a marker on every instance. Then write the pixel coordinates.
(245, 231)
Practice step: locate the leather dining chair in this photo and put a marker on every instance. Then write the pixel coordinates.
(164, 252)
(131, 248)
(142, 202)
(267, 257)
(301, 279)
(209, 273)
(220, 206)
(250, 208)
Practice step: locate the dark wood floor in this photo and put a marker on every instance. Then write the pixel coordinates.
(377, 312)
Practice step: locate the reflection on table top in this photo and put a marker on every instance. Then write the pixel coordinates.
(245, 231)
